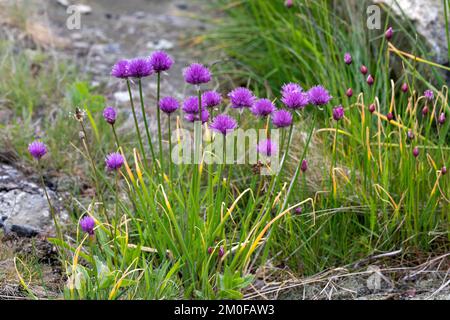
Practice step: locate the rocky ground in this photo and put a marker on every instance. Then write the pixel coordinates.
(115, 29)
(109, 30)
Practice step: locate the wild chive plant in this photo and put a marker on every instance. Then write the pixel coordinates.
(192, 223)
(203, 229)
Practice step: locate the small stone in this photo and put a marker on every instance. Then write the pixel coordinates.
(182, 6)
(139, 15)
(161, 44)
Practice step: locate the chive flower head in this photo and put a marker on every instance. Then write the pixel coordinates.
(263, 108)
(120, 69)
(304, 165)
(87, 224)
(281, 118)
(290, 87)
(241, 98)
(349, 92)
(37, 149)
(197, 74)
(429, 95)
(363, 69)
(160, 61)
(191, 104)
(348, 58)
(441, 118)
(318, 96)
(389, 33)
(110, 115)
(211, 99)
(114, 161)
(139, 68)
(223, 124)
(295, 100)
(168, 105)
(338, 113)
(405, 87)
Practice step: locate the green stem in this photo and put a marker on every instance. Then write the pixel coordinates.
(158, 112)
(52, 209)
(170, 149)
(115, 136)
(144, 116)
(141, 145)
(94, 169)
(297, 170)
(116, 215)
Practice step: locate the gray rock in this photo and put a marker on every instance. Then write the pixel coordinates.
(161, 44)
(24, 204)
(428, 18)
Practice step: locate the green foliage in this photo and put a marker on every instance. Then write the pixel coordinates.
(382, 197)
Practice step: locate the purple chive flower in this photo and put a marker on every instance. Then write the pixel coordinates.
(197, 74)
(263, 108)
(168, 105)
(425, 110)
(298, 210)
(192, 117)
(349, 92)
(441, 118)
(364, 70)
(410, 135)
(289, 3)
(390, 116)
(370, 80)
(318, 96)
(282, 118)
(415, 152)
(221, 252)
(338, 113)
(87, 224)
(389, 33)
(190, 105)
(211, 99)
(37, 149)
(210, 250)
(241, 98)
(290, 88)
(223, 124)
(267, 147)
(114, 161)
(429, 95)
(160, 61)
(139, 68)
(110, 115)
(405, 87)
(304, 166)
(120, 69)
(372, 108)
(348, 58)
(444, 170)
(295, 100)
